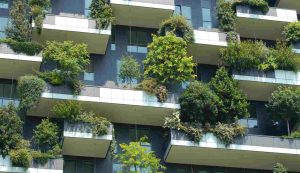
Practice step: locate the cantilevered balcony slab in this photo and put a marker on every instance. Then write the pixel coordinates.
(53, 166)
(249, 151)
(254, 24)
(205, 49)
(13, 65)
(74, 28)
(118, 105)
(142, 13)
(80, 141)
(289, 4)
(259, 85)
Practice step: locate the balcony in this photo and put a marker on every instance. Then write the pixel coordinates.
(289, 4)
(250, 151)
(118, 105)
(74, 28)
(205, 49)
(86, 145)
(142, 13)
(53, 166)
(13, 65)
(252, 23)
(259, 85)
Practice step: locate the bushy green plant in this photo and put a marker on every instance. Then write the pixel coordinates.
(227, 132)
(149, 85)
(38, 8)
(129, 69)
(21, 156)
(71, 60)
(18, 28)
(102, 12)
(99, 124)
(28, 48)
(11, 128)
(138, 157)
(30, 89)
(43, 157)
(226, 16)
(261, 5)
(293, 135)
(232, 36)
(279, 168)
(162, 93)
(69, 110)
(233, 103)
(199, 104)
(46, 134)
(179, 26)
(244, 55)
(284, 104)
(291, 32)
(167, 60)
(77, 86)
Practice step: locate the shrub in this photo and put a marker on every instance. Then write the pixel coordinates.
(10, 129)
(46, 134)
(293, 135)
(279, 168)
(30, 89)
(129, 69)
(69, 110)
(167, 60)
(38, 8)
(232, 36)
(99, 124)
(149, 85)
(244, 55)
(28, 48)
(18, 28)
(172, 121)
(21, 156)
(162, 94)
(227, 132)
(43, 157)
(284, 104)
(179, 26)
(226, 16)
(102, 12)
(261, 5)
(233, 103)
(77, 86)
(291, 32)
(199, 104)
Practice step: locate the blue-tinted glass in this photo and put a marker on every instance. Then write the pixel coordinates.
(3, 23)
(87, 4)
(177, 10)
(186, 12)
(69, 166)
(4, 4)
(206, 13)
(205, 3)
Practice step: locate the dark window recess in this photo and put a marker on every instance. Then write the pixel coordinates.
(78, 166)
(138, 41)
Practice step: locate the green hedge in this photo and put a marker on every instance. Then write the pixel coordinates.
(28, 48)
(261, 5)
(291, 32)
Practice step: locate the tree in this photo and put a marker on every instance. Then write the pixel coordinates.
(46, 134)
(167, 60)
(139, 158)
(199, 103)
(18, 29)
(10, 129)
(279, 168)
(233, 103)
(226, 15)
(284, 104)
(129, 70)
(102, 12)
(38, 8)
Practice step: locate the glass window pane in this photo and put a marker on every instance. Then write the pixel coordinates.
(3, 23)
(206, 14)
(4, 4)
(132, 38)
(207, 25)
(69, 166)
(7, 90)
(205, 3)
(186, 12)
(177, 10)
(88, 167)
(142, 38)
(1, 90)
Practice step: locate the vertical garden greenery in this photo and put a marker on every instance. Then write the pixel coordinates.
(226, 15)
(38, 8)
(279, 168)
(102, 12)
(291, 32)
(129, 69)
(167, 60)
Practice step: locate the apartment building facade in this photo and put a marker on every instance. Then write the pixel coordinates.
(134, 113)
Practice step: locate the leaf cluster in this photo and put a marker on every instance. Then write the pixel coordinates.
(291, 32)
(102, 12)
(129, 69)
(261, 5)
(226, 16)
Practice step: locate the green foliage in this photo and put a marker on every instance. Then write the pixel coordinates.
(291, 32)
(69, 110)
(18, 29)
(129, 69)
(43, 157)
(10, 129)
(149, 85)
(279, 168)
(293, 135)
(179, 26)
(46, 133)
(77, 86)
(167, 60)
(232, 36)
(233, 103)
(199, 103)
(261, 5)
(162, 94)
(30, 89)
(227, 132)
(99, 124)
(136, 156)
(28, 48)
(102, 12)
(38, 8)
(284, 104)
(20, 156)
(226, 15)
(71, 60)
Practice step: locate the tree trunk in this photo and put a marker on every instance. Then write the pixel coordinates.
(288, 127)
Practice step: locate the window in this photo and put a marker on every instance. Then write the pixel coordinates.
(113, 39)
(136, 134)
(138, 41)
(78, 166)
(251, 122)
(4, 4)
(88, 167)
(3, 24)
(89, 73)
(206, 14)
(184, 11)
(87, 4)
(8, 93)
(69, 166)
